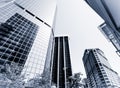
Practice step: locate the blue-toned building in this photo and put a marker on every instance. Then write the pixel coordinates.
(26, 33)
(98, 70)
(108, 10)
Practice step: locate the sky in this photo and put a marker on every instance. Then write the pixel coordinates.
(77, 20)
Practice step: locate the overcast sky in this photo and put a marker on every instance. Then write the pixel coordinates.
(77, 20)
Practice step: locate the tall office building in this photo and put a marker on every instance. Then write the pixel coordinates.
(26, 33)
(98, 70)
(111, 36)
(109, 11)
(61, 66)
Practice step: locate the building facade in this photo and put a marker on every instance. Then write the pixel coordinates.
(111, 36)
(26, 28)
(85, 83)
(98, 70)
(108, 10)
(61, 65)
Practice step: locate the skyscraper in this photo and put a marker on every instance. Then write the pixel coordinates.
(26, 32)
(98, 70)
(111, 36)
(109, 11)
(16, 39)
(106, 9)
(61, 65)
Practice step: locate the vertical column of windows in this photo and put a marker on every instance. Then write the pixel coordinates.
(55, 60)
(68, 61)
(61, 65)
(19, 41)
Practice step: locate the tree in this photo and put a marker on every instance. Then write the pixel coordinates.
(40, 81)
(75, 81)
(12, 75)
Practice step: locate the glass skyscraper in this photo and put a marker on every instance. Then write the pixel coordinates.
(111, 36)
(98, 70)
(61, 63)
(26, 33)
(108, 10)
(17, 37)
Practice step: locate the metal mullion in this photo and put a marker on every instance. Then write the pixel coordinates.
(18, 41)
(64, 61)
(58, 62)
(9, 44)
(7, 39)
(42, 60)
(52, 59)
(29, 59)
(36, 62)
(22, 43)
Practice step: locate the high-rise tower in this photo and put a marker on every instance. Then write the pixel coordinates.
(26, 32)
(108, 10)
(61, 65)
(98, 70)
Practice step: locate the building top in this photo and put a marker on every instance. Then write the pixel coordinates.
(60, 36)
(43, 9)
(96, 64)
(87, 51)
(100, 52)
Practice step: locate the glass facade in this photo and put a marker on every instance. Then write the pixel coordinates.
(61, 68)
(17, 37)
(113, 8)
(98, 70)
(43, 9)
(112, 36)
(109, 11)
(101, 9)
(27, 34)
